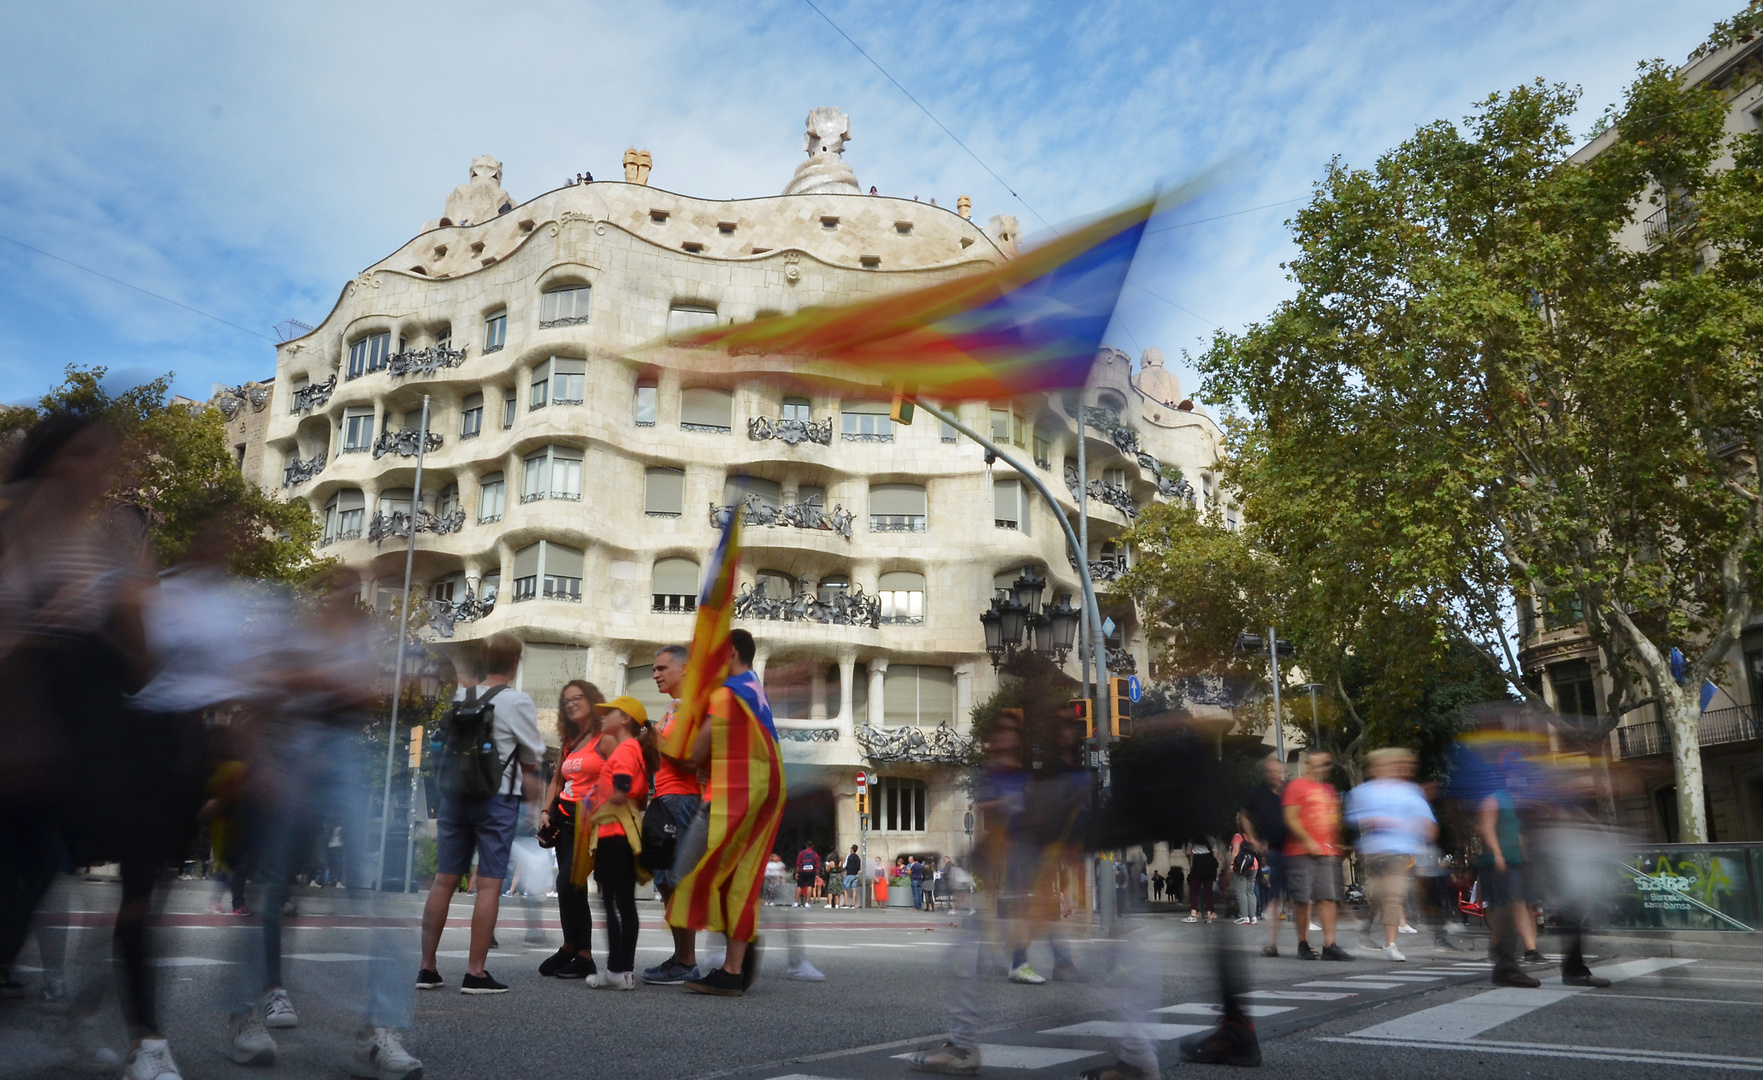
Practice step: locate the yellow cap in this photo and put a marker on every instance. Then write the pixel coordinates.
(628, 705)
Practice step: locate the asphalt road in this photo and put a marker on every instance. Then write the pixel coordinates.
(1434, 1016)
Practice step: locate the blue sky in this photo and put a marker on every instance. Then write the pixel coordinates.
(248, 159)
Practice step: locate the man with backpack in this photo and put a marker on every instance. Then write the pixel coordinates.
(489, 766)
(807, 869)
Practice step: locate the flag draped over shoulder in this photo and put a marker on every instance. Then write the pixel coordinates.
(746, 802)
(708, 661)
(1031, 324)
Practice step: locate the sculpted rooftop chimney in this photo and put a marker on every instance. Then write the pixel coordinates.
(825, 171)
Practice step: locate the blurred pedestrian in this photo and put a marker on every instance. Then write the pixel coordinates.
(672, 809)
(854, 877)
(618, 799)
(1157, 886)
(578, 771)
(1504, 892)
(481, 796)
(807, 870)
(1313, 853)
(1241, 874)
(1202, 881)
(1262, 819)
(1395, 826)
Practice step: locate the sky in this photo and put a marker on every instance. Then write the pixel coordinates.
(247, 160)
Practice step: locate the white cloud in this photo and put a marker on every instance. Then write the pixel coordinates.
(248, 160)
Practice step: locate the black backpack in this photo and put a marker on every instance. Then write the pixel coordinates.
(471, 771)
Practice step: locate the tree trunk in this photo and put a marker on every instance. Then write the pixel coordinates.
(1682, 713)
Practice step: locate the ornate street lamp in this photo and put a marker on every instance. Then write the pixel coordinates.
(992, 622)
(1041, 628)
(1027, 590)
(429, 679)
(1064, 620)
(1014, 617)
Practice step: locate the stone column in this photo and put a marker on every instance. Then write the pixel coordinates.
(963, 697)
(877, 669)
(817, 688)
(620, 667)
(847, 674)
(760, 656)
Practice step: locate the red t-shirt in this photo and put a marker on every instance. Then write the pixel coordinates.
(672, 778)
(581, 771)
(627, 760)
(1319, 811)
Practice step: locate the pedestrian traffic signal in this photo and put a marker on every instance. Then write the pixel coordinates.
(902, 409)
(1080, 711)
(1120, 700)
(862, 802)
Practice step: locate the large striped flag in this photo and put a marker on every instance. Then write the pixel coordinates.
(1030, 324)
(746, 800)
(707, 663)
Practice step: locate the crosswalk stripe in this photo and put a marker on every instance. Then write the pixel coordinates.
(1212, 1008)
(1115, 1029)
(1300, 995)
(1002, 1056)
(1396, 976)
(1337, 984)
(328, 957)
(186, 961)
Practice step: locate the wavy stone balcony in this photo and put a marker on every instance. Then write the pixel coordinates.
(792, 432)
(757, 511)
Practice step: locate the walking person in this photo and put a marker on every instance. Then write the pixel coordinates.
(1262, 819)
(1501, 869)
(807, 869)
(1313, 853)
(481, 797)
(617, 801)
(1395, 825)
(1202, 879)
(578, 771)
(673, 807)
(1241, 874)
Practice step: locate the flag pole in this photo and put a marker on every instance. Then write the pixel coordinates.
(422, 438)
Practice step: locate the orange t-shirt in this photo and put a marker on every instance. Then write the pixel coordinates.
(581, 771)
(627, 760)
(672, 778)
(1319, 811)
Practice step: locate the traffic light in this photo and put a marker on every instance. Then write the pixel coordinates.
(416, 746)
(862, 802)
(1120, 697)
(1080, 711)
(902, 409)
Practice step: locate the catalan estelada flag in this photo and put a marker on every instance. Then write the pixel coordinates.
(707, 663)
(745, 797)
(1029, 325)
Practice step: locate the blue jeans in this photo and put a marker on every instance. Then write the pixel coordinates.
(918, 894)
(313, 778)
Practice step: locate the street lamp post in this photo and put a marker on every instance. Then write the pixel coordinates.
(1315, 721)
(429, 680)
(1018, 620)
(1273, 646)
(422, 439)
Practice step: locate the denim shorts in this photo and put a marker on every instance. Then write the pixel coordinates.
(486, 827)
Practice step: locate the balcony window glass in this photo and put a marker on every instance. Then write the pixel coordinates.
(1010, 505)
(704, 408)
(554, 472)
(540, 396)
(896, 508)
(447, 501)
(918, 695)
(1576, 688)
(1043, 450)
(444, 337)
(471, 416)
(566, 306)
(369, 354)
(644, 405)
(507, 409)
(345, 516)
(560, 572)
(811, 495)
(947, 432)
(664, 492)
(569, 380)
(901, 803)
(395, 501)
(674, 585)
(796, 408)
(833, 586)
(775, 584)
(902, 597)
(526, 572)
(357, 429)
(490, 585)
(789, 687)
(495, 331)
(448, 589)
(490, 494)
(294, 388)
(683, 319)
(735, 491)
(865, 421)
(1114, 477)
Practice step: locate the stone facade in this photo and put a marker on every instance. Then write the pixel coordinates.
(246, 410)
(534, 335)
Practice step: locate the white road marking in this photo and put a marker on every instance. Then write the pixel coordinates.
(1690, 1000)
(1000, 1056)
(1396, 976)
(1582, 1053)
(185, 961)
(1460, 1021)
(328, 957)
(1213, 1008)
(1336, 984)
(1299, 995)
(1115, 1029)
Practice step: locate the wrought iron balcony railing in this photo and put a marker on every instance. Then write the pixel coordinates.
(757, 511)
(1717, 728)
(313, 395)
(403, 443)
(444, 614)
(841, 608)
(792, 432)
(298, 472)
(425, 362)
(397, 523)
(939, 745)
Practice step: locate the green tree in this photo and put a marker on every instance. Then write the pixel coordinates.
(177, 468)
(1489, 385)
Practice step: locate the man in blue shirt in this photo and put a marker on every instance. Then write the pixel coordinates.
(1395, 824)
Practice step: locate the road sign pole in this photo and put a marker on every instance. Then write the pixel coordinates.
(863, 840)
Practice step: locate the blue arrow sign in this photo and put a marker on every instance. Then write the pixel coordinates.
(1133, 689)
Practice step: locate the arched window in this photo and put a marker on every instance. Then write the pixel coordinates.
(448, 589)
(564, 306)
(897, 508)
(674, 585)
(561, 380)
(369, 354)
(706, 408)
(345, 516)
(902, 597)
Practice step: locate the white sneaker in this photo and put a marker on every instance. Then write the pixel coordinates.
(1406, 929)
(1315, 929)
(1192, 918)
(278, 1010)
(1026, 975)
(803, 971)
(600, 980)
(379, 1055)
(251, 1044)
(1244, 922)
(624, 980)
(1390, 952)
(152, 1061)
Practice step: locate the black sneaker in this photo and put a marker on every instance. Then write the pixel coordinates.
(669, 972)
(1532, 956)
(1514, 977)
(750, 965)
(1305, 952)
(429, 979)
(576, 967)
(1583, 978)
(1227, 1044)
(1270, 950)
(1335, 952)
(721, 982)
(549, 965)
(481, 984)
